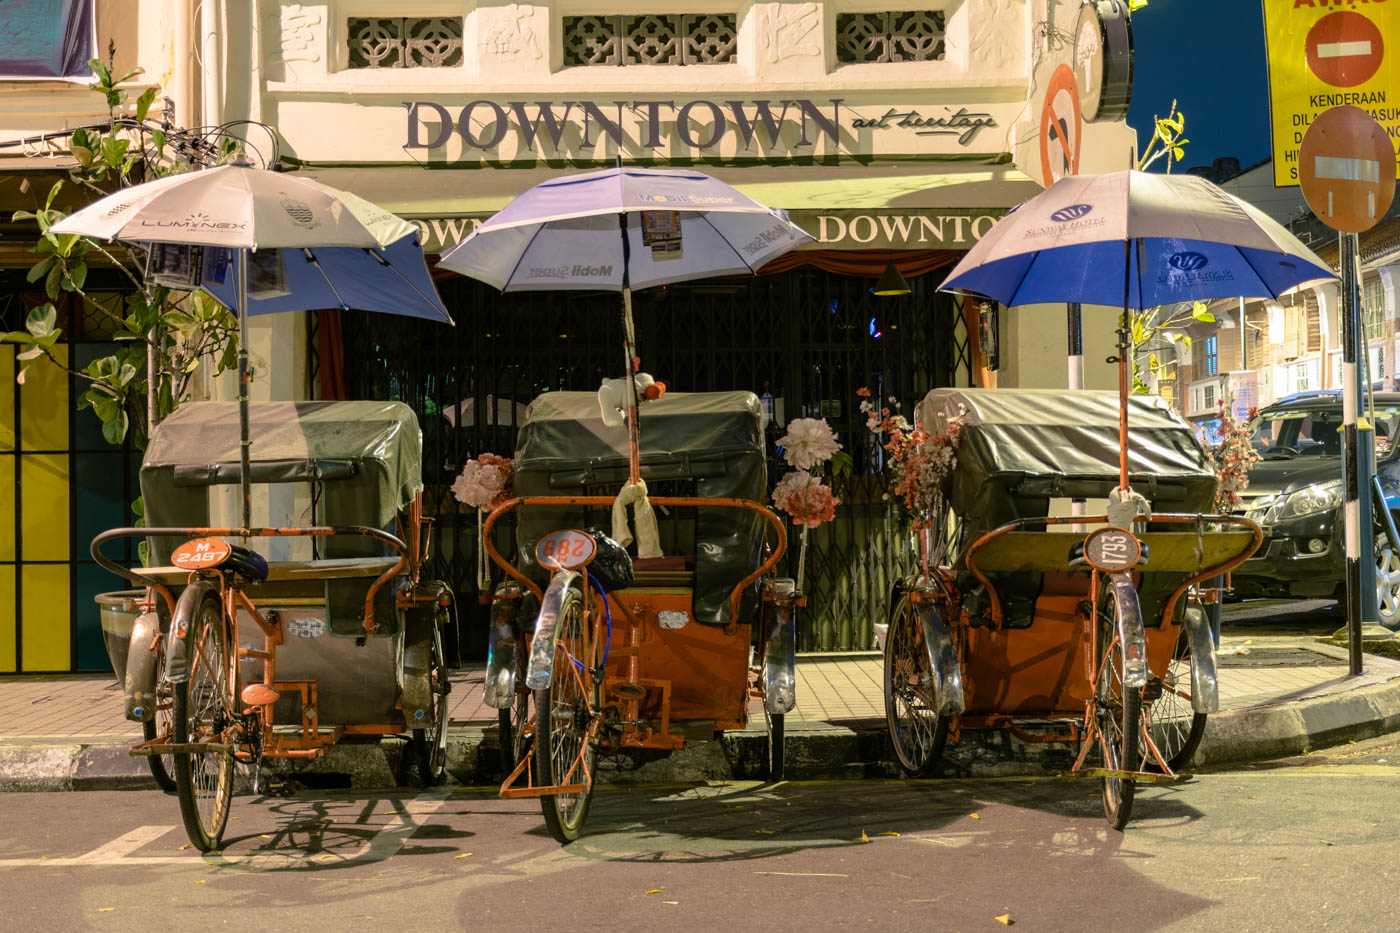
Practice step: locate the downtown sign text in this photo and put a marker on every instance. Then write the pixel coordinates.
(529, 130)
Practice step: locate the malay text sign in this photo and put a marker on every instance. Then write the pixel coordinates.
(1326, 53)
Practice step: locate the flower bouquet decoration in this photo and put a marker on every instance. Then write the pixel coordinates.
(808, 446)
(484, 484)
(1233, 459)
(920, 463)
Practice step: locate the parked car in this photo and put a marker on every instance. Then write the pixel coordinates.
(1296, 495)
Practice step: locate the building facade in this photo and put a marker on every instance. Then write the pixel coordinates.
(893, 132)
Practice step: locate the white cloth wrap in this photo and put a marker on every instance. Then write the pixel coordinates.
(648, 540)
(1126, 507)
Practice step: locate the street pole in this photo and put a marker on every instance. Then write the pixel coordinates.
(1360, 546)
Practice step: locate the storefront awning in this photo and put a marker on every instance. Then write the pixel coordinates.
(947, 206)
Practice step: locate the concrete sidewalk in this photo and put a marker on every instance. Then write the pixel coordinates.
(1280, 695)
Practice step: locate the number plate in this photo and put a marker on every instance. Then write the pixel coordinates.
(1112, 549)
(565, 550)
(201, 554)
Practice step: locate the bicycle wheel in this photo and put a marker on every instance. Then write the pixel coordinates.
(563, 711)
(1118, 709)
(162, 766)
(430, 744)
(1176, 727)
(202, 712)
(916, 730)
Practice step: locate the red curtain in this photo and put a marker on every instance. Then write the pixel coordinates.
(865, 263)
(330, 348)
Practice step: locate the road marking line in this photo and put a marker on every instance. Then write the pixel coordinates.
(121, 846)
(377, 847)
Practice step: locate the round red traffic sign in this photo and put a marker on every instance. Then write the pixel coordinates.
(1061, 125)
(1344, 48)
(1346, 168)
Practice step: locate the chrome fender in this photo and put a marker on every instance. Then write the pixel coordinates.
(177, 660)
(542, 648)
(502, 647)
(943, 658)
(1205, 687)
(142, 664)
(415, 652)
(780, 653)
(1131, 634)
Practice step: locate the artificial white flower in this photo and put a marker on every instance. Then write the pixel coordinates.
(808, 443)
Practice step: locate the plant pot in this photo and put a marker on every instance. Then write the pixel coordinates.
(119, 610)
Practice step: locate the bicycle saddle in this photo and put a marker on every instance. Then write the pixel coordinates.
(248, 564)
(1076, 555)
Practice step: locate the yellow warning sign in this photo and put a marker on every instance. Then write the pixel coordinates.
(1324, 53)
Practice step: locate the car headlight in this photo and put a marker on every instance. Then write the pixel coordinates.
(1319, 497)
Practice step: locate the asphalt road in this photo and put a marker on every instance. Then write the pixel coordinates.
(1303, 844)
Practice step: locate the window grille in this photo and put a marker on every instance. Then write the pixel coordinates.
(405, 42)
(1314, 341)
(1373, 309)
(890, 36)
(651, 39)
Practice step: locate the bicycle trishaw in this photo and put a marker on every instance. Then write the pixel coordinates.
(591, 649)
(1059, 627)
(237, 656)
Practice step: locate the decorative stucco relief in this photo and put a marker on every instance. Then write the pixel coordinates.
(303, 33)
(995, 31)
(509, 31)
(789, 29)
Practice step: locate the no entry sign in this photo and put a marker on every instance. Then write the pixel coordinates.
(1346, 165)
(1344, 49)
(1061, 126)
(1329, 53)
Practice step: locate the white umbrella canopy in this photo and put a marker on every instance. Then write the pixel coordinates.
(619, 229)
(566, 233)
(240, 207)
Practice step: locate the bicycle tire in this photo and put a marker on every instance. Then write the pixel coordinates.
(202, 711)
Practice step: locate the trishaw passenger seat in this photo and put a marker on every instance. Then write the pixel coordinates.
(250, 565)
(1076, 554)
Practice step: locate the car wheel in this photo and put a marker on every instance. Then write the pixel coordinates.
(1387, 583)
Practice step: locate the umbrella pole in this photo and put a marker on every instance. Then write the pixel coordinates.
(1124, 348)
(629, 346)
(245, 487)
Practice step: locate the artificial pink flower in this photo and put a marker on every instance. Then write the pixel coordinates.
(805, 498)
(485, 482)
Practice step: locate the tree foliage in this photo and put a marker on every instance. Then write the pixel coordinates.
(181, 333)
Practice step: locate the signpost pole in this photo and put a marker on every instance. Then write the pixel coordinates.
(1357, 507)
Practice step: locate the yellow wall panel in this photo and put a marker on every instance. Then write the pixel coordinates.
(7, 507)
(44, 614)
(44, 507)
(44, 406)
(7, 620)
(7, 397)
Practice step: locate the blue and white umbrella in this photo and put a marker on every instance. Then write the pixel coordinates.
(309, 246)
(1136, 240)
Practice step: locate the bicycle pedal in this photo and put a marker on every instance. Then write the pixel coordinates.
(1152, 690)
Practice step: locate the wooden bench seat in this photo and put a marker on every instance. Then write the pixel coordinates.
(298, 571)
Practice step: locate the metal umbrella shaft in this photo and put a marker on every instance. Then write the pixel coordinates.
(629, 347)
(245, 486)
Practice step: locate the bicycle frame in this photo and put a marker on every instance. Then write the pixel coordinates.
(255, 736)
(630, 688)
